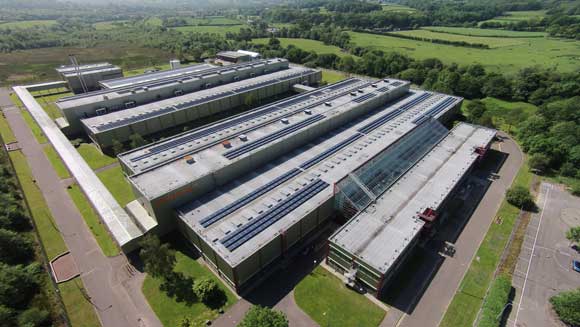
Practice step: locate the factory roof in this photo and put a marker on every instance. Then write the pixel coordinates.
(379, 234)
(155, 76)
(68, 71)
(146, 85)
(234, 54)
(239, 218)
(121, 118)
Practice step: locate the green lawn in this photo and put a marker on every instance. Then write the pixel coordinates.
(469, 31)
(547, 52)
(27, 24)
(221, 30)
(398, 8)
(469, 297)
(308, 45)
(517, 16)
(117, 184)
(79, 309)
(48, 103)
(94, 157)
(56, 162)
(5, 131)
(492, 42)
(331, 76)
(171, 312)
(92, 220)
(328, 302)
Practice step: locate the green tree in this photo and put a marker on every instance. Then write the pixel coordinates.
(137, 140)
(14, 248)
(566, 305)
(259, 316)
(18, 284)
(6, 316)
(158, 259)
(209, 292)
(520, 197)
(33, 317)
(475, 110)
(117, 147)
(539, 162)
(573, 234)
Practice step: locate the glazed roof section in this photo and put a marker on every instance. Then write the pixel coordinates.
(238, 219)
(379, 234)
(259, 133)
(122, 118)
(155, 76)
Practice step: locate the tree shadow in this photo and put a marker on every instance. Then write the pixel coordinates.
(217, 300)
(179, 286)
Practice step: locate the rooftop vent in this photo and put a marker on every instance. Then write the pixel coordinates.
(328, 104)
(308, 112)
(189, 159)
(374, 85)
(360, 91)
(353, 93)
(243, 137)
(285, 121)
(227, 144)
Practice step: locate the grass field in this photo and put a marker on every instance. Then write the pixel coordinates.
(563, 55)
(221, 30)
(117, 184)
(504, 112)
(397, 8)
(332, 76)
(518, 16)
(21, 67)
(308, 45)
(80, 311)
(170, 311)
(214, 20)
(27, 24)
(469, 31)
(56, 162)
(492, 42)
(469, 297)
(5, 131)
(328, 302)
(95, 158)
(48, 103)
(103, 238)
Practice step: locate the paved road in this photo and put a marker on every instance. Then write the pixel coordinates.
(426, 305)
(544, 265)
(116, 294)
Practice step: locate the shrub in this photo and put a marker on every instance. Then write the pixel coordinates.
(263, 317)
(573, 234)
(495, 302)
(575, 189)
(539, 161)
(566, 305)
(33, 317)
(520, 197)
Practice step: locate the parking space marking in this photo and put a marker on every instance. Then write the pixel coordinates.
(533, 250)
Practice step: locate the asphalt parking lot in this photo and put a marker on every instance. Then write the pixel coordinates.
(544, 265)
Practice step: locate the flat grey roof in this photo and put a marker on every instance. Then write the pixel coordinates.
(98, 96)
(121, 118)
(233, 54)
(85, 68)
(332, 167)
(154, 76)
(379, 234)
(190, 142)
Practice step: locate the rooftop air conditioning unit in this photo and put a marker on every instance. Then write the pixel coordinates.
(308, 112)
(374, 85)
(361, 91)
(130, 104)
(178, 92)
(243, 137)
(236, 78)
(285, 121)
(328, 104)
(101, 111)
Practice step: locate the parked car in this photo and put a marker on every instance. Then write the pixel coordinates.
(576, 265)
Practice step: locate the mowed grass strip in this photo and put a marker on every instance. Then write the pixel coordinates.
(36, 131)
(492, 42)
(49, 234)
(6, 131)
(92, 220)
(470, 31)
(469, 297)
(80, 311)
(327, 301)
(332, 76)
(307, 45)
(56, 162)
(170, 311)
(558, 54)
(115, 181)
(94, 157)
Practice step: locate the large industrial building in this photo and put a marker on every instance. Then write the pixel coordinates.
(131, 92)
(246, 189)
(90, 75)
(158, 116)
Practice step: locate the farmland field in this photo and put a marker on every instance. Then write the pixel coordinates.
(27, 23)
(307, 45)
(492, 42)
(397, 8)
(517, 16)
(222, 30)
(469, 31)
(563, 55)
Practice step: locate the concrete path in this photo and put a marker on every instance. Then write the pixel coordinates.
(111, 289)
(432, 304)
(544, 265)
